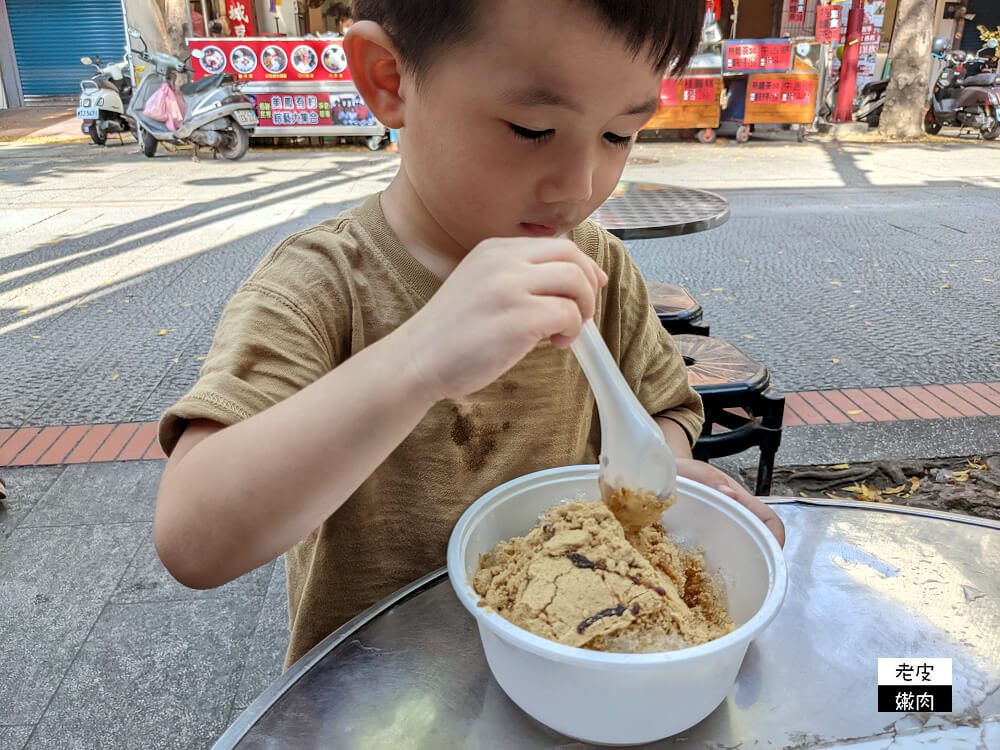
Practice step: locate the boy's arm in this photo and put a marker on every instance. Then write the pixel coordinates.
(704, 473)
(234, 498)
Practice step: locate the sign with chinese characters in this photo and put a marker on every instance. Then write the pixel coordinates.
(781, 98)
(871, 33)
(796, 12)
(272, 59)
(690, 102)
(283, 109)
(240, 15)
(828, 23)
(756, 55)
(916, 684)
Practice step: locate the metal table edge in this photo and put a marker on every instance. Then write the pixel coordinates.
(246, 720)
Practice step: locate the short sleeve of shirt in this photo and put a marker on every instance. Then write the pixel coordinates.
(645, 351)
(267, 346)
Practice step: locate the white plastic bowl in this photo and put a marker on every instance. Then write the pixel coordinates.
(620, 699)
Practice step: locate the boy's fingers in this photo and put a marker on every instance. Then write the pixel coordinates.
(559, 249)
(759, 509)
(560, 320)
(566, 280)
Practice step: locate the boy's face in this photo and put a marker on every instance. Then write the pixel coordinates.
(525, 132)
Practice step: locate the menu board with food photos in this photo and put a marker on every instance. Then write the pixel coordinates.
(272, 59)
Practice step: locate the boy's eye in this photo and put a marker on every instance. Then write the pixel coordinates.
(614, 139)
(535, 136)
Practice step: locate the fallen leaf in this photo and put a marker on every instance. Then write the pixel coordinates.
(854, 412)
(851, 306)
(835, 361)
(861, 259)
(836, 283)
(110, 310)
(979, 261)
(895, 490)
(953, 265)
(743, 260)
(857, 291)
(888, 304)
(163, 332)
(25, 311)
(187, 304)
(990, 280)
(945, 286)
(716, 288)
(81, 307)
(832, 496)
(869, 323)
(876, 265)
(961, 475)
(748, 335)
(802, 494)
(977, 465)
(706, 294)
(36, 337)
(200, 359)
(127, 300)
(841, 466)
(107, 281)
(171, 330)
(176, 360)
(115, 376)
(914, 484)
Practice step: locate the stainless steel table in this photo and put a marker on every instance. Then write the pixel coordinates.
(643, 210)
(865, 582)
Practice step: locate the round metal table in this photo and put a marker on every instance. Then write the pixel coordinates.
(865, 582)
(644, 210)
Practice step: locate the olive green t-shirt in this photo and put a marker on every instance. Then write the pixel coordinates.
(326, 293)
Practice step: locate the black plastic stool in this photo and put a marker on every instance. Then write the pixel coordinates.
(678, 311)
(727, 379)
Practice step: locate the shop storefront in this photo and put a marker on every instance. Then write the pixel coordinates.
(42, 41)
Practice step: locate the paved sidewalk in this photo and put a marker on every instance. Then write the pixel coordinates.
(49, 123)
(863, 276)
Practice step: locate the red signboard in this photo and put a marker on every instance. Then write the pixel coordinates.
(240, 16)
(767, 90)
(784, 91)
(697, 90)
(675, 91)
(272, 59)
(796, 11)
(283, 109)
(827, 23)
(757, 55)
(798, 93)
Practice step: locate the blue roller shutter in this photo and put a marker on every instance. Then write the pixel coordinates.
(50, 37)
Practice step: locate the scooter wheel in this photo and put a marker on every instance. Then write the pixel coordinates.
(149, 144)
(237, 143)
(98, 134)
(991, 133)
(931, 125)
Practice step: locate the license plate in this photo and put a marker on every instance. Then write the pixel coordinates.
(88, 113)
(245, 117)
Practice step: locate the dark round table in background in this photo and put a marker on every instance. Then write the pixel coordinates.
(645, 210)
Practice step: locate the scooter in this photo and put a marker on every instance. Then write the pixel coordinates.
(967, 102)
(216, 115)
(103, 99)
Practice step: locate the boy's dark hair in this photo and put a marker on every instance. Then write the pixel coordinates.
(669, 29)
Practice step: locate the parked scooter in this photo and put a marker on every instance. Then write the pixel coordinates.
(964, 101)
(103, 99)
(216, 114)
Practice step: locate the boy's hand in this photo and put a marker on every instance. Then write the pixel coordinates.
(708, 475)
(499, 302)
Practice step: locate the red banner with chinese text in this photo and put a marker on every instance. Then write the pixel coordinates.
(271, 59)
(756, 55)
(240, 15)
(828, 23)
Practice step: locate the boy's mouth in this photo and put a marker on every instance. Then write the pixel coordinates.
(539, 230)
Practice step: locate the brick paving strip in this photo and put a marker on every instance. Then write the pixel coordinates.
(134, 441)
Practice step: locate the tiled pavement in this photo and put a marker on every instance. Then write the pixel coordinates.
(74, 444)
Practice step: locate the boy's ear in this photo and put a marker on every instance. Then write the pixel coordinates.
(375, 67)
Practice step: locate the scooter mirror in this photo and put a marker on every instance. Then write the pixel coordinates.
(133, 32)
(86, 61)
(198, 53)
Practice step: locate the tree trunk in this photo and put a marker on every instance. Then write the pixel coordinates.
(909, 72)
(175, 13)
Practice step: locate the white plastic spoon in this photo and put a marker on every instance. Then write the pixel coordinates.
(635, 456)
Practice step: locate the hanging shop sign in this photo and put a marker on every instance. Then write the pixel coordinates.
(272, 59)
(828, 24)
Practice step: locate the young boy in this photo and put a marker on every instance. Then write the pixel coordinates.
(379, 372)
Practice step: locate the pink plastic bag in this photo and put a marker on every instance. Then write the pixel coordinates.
(166, 106)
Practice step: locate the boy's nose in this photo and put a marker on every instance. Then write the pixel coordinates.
(569, 180)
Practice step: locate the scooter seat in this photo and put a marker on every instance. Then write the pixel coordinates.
(205, 84)
(982, 79)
